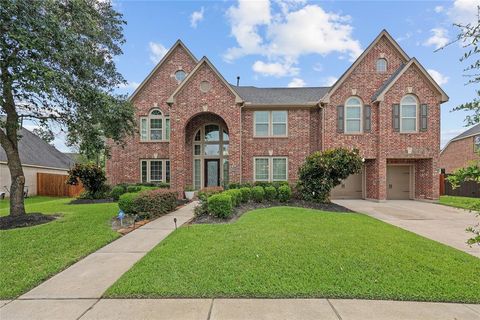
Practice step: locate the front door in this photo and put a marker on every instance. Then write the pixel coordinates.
(212, 172)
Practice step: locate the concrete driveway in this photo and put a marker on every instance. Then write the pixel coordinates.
(434, 221)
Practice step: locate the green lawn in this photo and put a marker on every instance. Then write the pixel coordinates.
(30, 255)
(292, 252)
(459, 202)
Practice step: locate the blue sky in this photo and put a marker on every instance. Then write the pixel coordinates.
(297, 43)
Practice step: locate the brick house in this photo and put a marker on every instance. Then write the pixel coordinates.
(461, 150)
(197, 129)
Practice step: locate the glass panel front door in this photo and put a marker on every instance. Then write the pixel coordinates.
(212, 172)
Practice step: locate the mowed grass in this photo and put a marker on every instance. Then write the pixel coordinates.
(459, 202)
(30, 255)
(292, 252)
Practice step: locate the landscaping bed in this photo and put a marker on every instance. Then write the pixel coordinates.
(27, 220)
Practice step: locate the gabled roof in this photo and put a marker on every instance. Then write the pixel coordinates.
(203, 61)
(380, 95)
(36, 152)
(347, 73)
(178, 43)
(473, 131)
(281, 96)
(388, 81)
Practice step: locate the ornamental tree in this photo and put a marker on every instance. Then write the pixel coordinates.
(56, 66)
(322, 171)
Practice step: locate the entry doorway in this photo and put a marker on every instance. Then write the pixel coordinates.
(212, 172)
(399, 182)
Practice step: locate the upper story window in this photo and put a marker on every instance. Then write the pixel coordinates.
(270, 123)
(180, 75)
(381, 65)
(353, 115)
(476, 143)
(408, 114)
(155, 127)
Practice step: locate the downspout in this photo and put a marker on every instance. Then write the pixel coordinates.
(241, 139)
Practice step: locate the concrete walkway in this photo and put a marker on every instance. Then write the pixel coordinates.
(434, 221)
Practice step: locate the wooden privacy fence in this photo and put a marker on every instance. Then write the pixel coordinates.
(466, 189)
(55, 185)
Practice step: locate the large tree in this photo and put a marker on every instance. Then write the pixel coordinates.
(56, 65)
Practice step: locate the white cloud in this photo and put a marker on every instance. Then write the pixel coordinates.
(438, 77)
(464, 11)
(282, 31)
(449, 134)
(438, 39)
(296, 83)
(196, 17)
(157, 51)
(130, 85)
(329, 81)
(438, 9)
(275, 69)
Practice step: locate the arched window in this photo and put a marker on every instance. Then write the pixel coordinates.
(408, 113)
(353, 115)
(381, 65)
(155, 127)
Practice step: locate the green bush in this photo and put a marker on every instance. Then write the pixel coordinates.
(322, 171)
(134, 188)
(246, 193)
(234, 185)
(270, 193)
(93, 179)
(204, 193)
(284, 193)
(154, 184)
(278, 184)
(153, 203)
(126, 202)
(220, 205)
(236, 195)
(258, 194)
(116, 192)
(262, 184)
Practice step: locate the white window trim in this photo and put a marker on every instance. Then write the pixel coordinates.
(270, 124)
(345, 130)
(164, 170)
(270, 169)
(164, 126)
(416, 115)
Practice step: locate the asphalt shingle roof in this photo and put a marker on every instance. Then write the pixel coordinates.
(294, 96)
(387, 82)
(472, 131)
(36, 152)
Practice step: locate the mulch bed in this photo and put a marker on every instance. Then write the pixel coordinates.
(239, 211)
(27, 220)
(90, 201)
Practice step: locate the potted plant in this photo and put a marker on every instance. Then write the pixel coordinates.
(189, 192)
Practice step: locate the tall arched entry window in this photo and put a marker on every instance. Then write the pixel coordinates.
(210, 156)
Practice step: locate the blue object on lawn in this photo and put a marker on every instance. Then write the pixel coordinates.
(121, 214)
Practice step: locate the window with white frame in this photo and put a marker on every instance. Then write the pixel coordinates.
(476, 143)
(408, 114)
(271, 169)
(353, 115)
(270, 123)
(155, 127)
(155, 170)
(381, 65)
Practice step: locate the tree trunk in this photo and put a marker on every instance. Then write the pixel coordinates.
(17, 206)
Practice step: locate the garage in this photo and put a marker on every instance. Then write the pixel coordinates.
(398, 182)
(350, 188)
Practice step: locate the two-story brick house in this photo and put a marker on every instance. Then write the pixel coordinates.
(197, 129)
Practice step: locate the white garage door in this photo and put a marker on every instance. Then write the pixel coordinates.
(350, 188)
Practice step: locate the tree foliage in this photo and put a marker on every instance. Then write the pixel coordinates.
(322, 171)
(91, 176)
(44, 134)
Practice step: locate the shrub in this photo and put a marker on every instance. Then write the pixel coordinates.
(92, 177)
(262, 184)
(246, 194)
(154, 184)
(322, 171)
(117, 191)
(134, 188)
(270, 193)
(234, 185)
(204, 193)
(258, 194)
(278, 184)
(220, 205)
(236, 195)
(153, 203)
(126, 203)
(284, 193)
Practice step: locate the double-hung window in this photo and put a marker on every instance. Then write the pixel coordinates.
(408, 114)
(270, 123)
(353, 115)
(155, 127)
(271, 169)
(155, 170)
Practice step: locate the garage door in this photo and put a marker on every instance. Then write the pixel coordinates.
(398, 182)
(350, 188)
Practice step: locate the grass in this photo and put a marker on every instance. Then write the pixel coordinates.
(30, 255)
(292, 252)
(459, 202)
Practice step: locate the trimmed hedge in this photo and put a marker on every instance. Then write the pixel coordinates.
(133, 189)
(153, 203)
(236, 195)
(270, 193)
(125, 202)
(258, 194)
(246, 193)
(117, 191)
(284, 193)
(220, 205)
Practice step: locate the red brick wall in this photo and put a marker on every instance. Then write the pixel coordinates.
(458, 154)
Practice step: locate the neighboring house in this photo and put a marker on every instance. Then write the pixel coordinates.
(461, 150)
(197, 129)
(36, 156)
